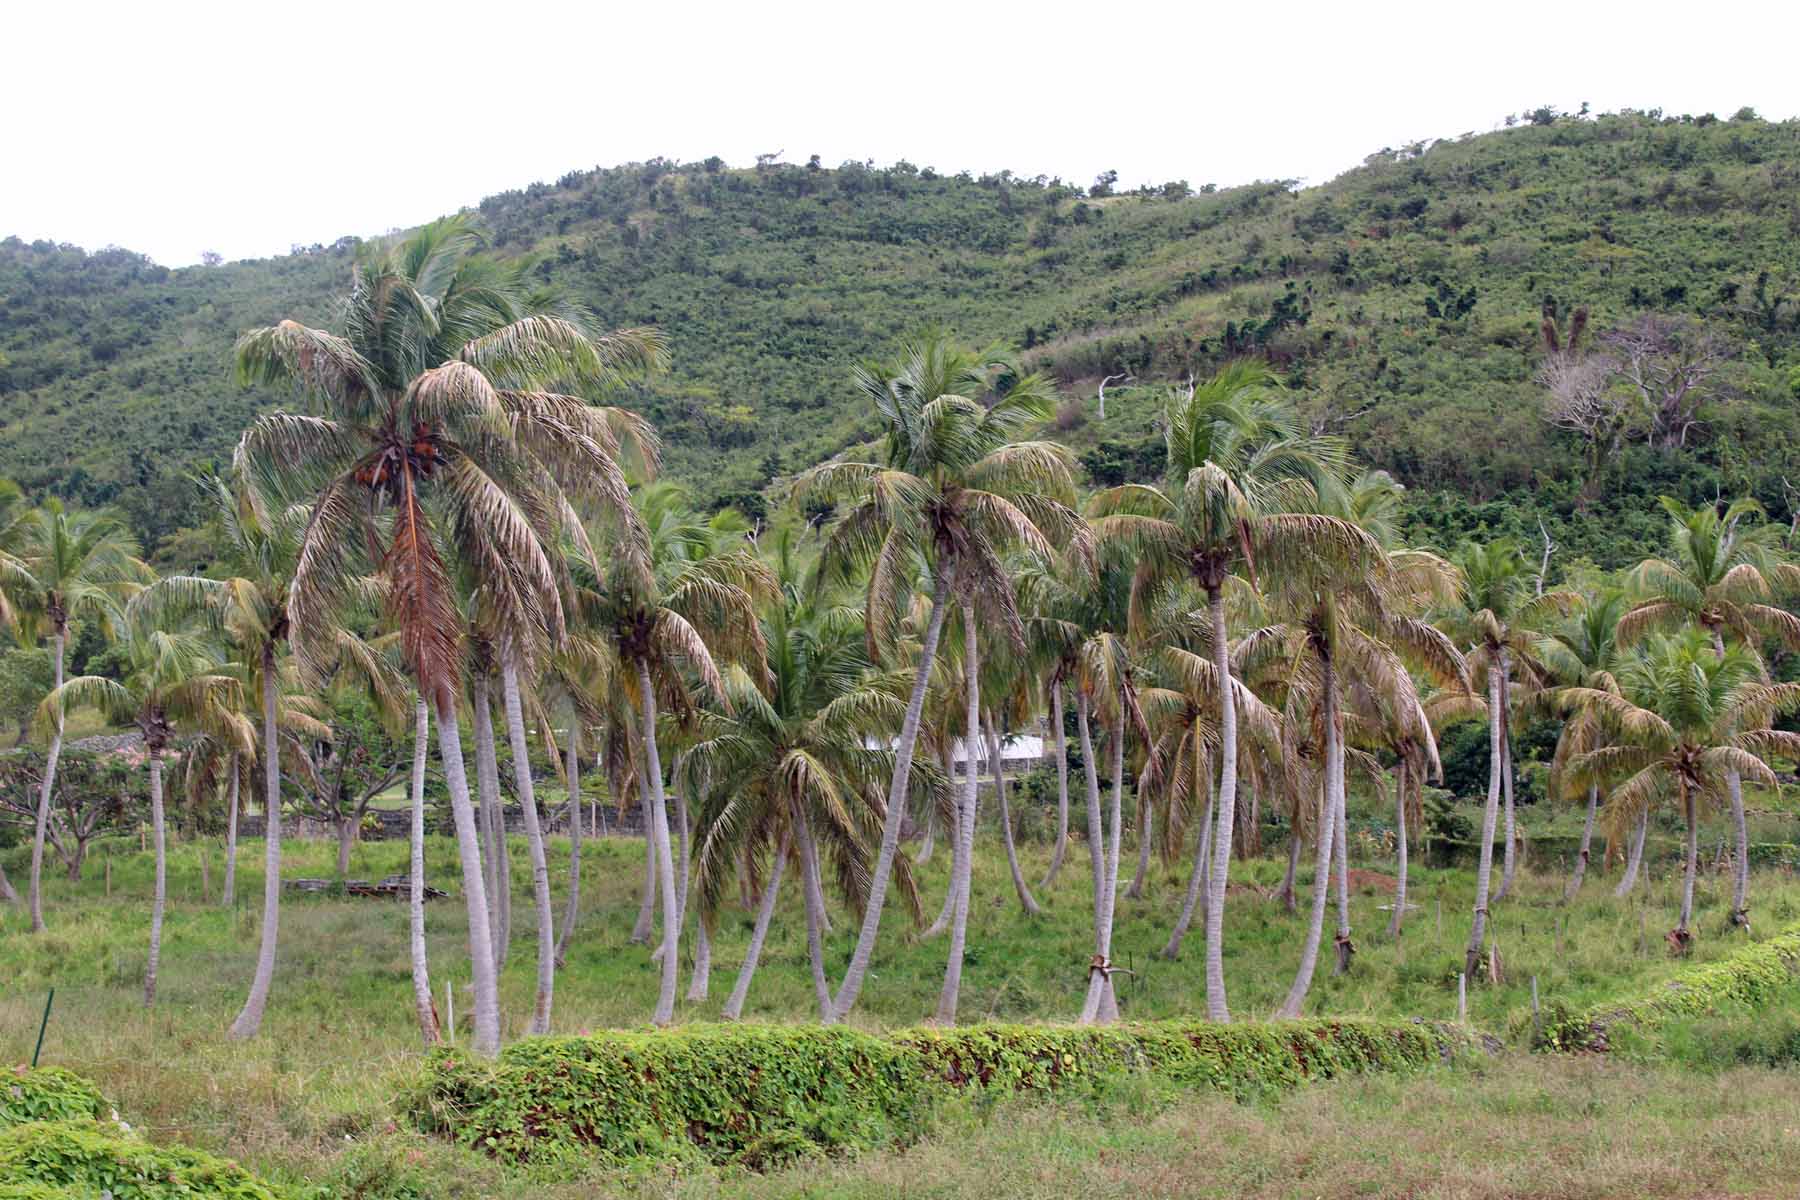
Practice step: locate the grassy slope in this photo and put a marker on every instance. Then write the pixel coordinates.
(771, 284)
(340, 1031)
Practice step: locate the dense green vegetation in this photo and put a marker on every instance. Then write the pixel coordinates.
(1404, 297)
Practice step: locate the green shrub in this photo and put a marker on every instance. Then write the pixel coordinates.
(761, 1095)
(47, 1094)
(84, 1158)
(1753, 977)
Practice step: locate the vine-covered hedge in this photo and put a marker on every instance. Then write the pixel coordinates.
(758, 1094)
(47, 1094)
(89, 1158)
(1753, 976)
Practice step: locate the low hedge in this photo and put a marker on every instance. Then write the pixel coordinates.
(1753, 976)
(88, 1158)
(47, 1094)
(755, 1095)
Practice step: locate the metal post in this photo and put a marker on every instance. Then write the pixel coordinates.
(43, 1025)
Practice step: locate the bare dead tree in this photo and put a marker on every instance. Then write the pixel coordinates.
(1581, 396)
(1544, 564)
(1671, 364)
(1120, 378)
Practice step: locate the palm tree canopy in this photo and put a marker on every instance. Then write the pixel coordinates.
(1722, 575)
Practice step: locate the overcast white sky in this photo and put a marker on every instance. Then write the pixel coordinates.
(247, 127)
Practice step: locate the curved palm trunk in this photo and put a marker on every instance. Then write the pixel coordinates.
(487, 778)
(161, 896)
(997, 765)
(1509, 864)
(1401, 785)
(964, 860)
(1345, 948)
(1634, 857)
(1691, 867)
(1218, 877)
(1095, 1006)
(415, 903)
(572, 768)
(665, 853)
(1062, 790)
(858, 970)
(1485, 871)
(250, 1019)
(681, 858)
(1587, 838)
(734, 1003)
(34, 890)
(1197, 877)
(1315, 931)
(482, 971)
(534, 841)
(646, 918)
(229, 895)
(814, 897)
(1096, 832)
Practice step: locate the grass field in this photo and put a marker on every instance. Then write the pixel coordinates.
(312, 1098)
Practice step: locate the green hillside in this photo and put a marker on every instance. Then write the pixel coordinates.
(1403, 300)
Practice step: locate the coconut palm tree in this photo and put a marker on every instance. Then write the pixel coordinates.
(1237, 468)
(172, 679)
(439, 432)
(954, 490)
(1683, 720)
(62, 566)
(1721, 577)
(1496, 618)
(1584, 652)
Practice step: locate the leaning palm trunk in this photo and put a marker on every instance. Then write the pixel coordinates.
(162, 874)
(1100, 970)
(1509, 864)
(680, 836)
(1400, 798)
(534, 841)
(1218, 876)
(1634, 856)
(814, 895)
(858, 970)
(572, 768)
(35, 894)
(482, 971)
(415, 905)
(1485, 870)
(487, 778)
(1062, 790)
(1587, 839)
(665, 852)
(997, 765)
(229, 895)
(1196, 887)
(1315, 931)
(250, 1019)
(734, 1003)
(962, 870)
(1096, 837)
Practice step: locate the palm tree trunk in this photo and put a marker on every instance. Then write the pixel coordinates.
(929, 843)
(814, 893)
(962, 870)
(1484, 872)
(1218, 876)
(734, 1003)
(1100, 972)
(34, 892)
(1096, 832)
(665, 852)
(1634, 856)
(646, 918)
(229, 895)
(1691, 854)
(1146, 819)
(1587, 838)
(250, 1019)
(1509, 863)
(7, 894)
(997, 765)
(681, 857)
(493, 818)
(701, 981)
(1340, 853)
(1197, 877)
(415, 904)
(1062, 789)
(572, 769)
(1296, 843)
(1740, 828)
(954, 830)
(858, 970)
(161, 896)
(1400, 796)
(534, 841)
(482, 971)
(1315, 931)
(346, 834)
